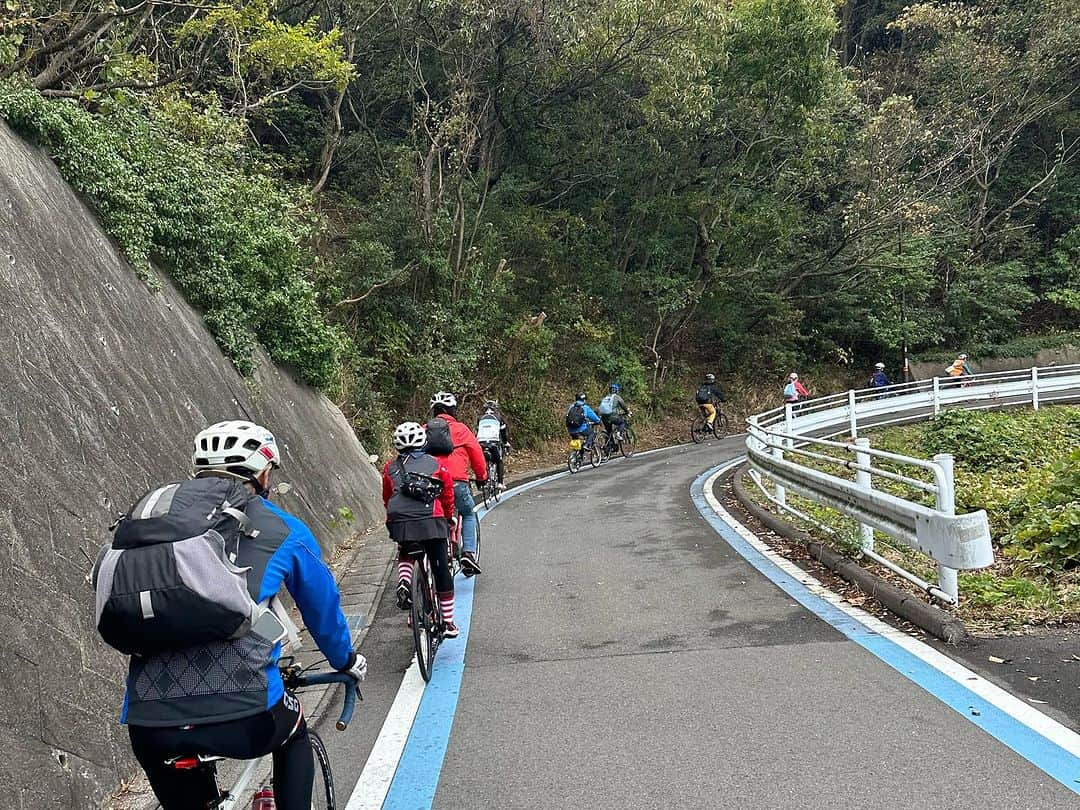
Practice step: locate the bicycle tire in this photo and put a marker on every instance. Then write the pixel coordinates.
(626, 446)
(602, 439)
(594, 456)
(486, 492)
(573, 461)
(476, 556)
(498, 492)
(698, 430)
(721, 427)
(423, 631)
(322, 792)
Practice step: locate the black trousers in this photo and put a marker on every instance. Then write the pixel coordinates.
(494, 452)
(281, 731)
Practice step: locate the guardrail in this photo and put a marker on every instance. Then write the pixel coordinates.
(781, 438)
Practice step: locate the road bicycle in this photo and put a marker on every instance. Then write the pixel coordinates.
(425, 612)
(296, 678)
(579, 453)
(620, 439)
(700, 427)
(490, 490)
(456, 545)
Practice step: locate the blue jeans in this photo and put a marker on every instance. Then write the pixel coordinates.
(466, 509)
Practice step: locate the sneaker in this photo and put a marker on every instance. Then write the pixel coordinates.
(502, 486)
(404, 595)
(451, 631)
(469, 565)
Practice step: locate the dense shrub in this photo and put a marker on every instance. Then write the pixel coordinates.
(230, 236)
(989, 440)
(1049, 533)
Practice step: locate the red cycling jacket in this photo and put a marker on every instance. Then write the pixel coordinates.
(466, 453)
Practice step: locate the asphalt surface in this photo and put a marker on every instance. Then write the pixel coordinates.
(622, 655)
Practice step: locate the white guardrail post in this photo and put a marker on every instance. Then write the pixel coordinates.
(946, 504)
(781, 441)
(865, 481)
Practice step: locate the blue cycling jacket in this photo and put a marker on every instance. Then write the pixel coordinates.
(228, 680)
(590, 418)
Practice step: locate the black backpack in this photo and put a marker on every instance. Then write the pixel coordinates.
(703, 395)
(439, 441)
(575, 417)
(419, 487)
(169, 580)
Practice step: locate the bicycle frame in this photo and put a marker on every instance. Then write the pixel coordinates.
(298, 681)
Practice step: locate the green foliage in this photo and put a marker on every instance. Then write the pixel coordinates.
(993, 440)
(1049, 534)
(228, 234)
(520, 198)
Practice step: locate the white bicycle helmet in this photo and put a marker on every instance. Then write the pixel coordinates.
(444, 398)
(879, 365)
(409, 436)
(235, 445)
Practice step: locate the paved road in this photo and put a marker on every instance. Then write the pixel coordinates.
(623, 655)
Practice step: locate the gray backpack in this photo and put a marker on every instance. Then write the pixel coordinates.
(169, 578)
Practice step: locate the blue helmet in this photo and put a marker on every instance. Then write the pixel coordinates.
(615, 388)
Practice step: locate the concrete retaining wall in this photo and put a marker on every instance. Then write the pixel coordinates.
(102, 385)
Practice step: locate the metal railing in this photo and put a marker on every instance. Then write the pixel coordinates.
(781, 442)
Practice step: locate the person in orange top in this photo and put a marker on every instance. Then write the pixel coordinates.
(465, 452)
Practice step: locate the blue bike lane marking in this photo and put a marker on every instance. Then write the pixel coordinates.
(1041, 752)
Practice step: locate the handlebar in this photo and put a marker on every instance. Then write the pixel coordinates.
(298, 680)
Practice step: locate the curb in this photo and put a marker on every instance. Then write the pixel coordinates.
(933, 620)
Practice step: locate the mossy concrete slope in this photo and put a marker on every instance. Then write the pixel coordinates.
(103, 383)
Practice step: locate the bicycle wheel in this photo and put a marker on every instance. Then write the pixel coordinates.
(486, 492)
(496, 491)
(594, 455)
(626, 446)
(322, 792)
(699, 429)
(573, 461)
(477, 554)
(423, 628)
(602, 439)
(721, 427)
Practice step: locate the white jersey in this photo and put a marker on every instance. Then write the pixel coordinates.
(488, 430)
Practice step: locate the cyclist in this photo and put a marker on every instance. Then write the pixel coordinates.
(418, 493)
(580, 419)
(466, 453)
(227, 698)
(494, 436)
(794, 390)
(959, 367)
(879, 379)
(613, 411)
(708, 398)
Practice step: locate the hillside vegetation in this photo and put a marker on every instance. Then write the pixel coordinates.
(516, 199)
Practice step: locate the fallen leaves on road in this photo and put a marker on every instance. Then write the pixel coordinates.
(993, 659)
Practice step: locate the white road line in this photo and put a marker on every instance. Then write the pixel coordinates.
(378, 773)
(1031, 717)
